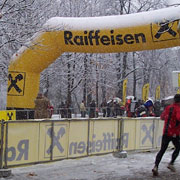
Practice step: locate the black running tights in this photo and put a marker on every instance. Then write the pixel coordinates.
(164, 145)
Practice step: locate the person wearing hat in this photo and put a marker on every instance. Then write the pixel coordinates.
(149, 108)
(171, 133)
(41, 107)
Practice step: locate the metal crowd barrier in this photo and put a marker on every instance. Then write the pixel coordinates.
(23, 114)
(30, 142)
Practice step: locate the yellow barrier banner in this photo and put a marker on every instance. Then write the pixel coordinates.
(78, 136)
(134, 32)
(23, 141)
(43, 141)
(103, 136)
(145, 92)
(53, 141)
(124, 91)
(8, 115)
(145, 134)
(158, 93)
(158, 133)
(129, 133)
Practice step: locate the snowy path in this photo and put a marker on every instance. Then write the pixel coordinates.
(137, 166)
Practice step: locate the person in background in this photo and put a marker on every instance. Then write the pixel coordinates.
(121, 108)
(138, 104)
(97, 112)
(62, 110)
(92, 109)
(51, 110)
(128, 106)
(115, 109)
(111, 105)
(141, 111)
(150, 108)
(83, 109)
(171, 133)
(41, 107)
(108, 109)
(133, 107)
(104, 107)
(68, 113)
(157, 108)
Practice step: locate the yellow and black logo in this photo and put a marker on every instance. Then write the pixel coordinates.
(16, 83)
(164, 31)
(11, 115)
(58, 136)
(8, 115)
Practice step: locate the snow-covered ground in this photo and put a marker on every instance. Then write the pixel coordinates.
(137, 166)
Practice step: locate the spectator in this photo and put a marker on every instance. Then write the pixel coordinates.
(138, 104)
(127, 106)
(121, 110)
(115, 108)
(157, 108)
(150, 108)
(108, 109)
(68, 110)
(104, 107)
(92, 109)
(62, 110)
(50, 110)
(83, 109)
(133, 107)
(41, 107)
(141, 111)
(97, 112)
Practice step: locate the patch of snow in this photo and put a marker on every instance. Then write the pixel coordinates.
(173, 2)
(113, 22)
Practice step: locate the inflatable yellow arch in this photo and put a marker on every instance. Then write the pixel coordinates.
(125, 33)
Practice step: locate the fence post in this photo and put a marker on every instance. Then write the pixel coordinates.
(2, 143)
(3, 172)
(52, 140)
(88, 137)
(154, 135)
(120, 153)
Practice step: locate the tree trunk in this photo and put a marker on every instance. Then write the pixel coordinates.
(69, 84)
